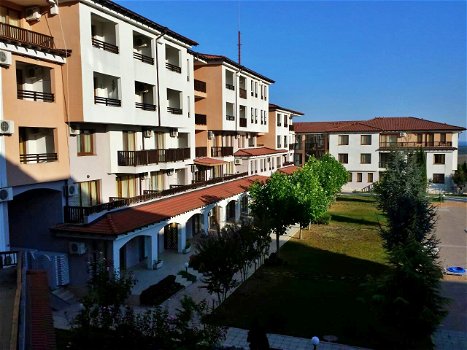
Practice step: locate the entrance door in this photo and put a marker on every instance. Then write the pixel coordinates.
(171, 237)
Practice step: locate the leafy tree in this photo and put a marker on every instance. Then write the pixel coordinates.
(407, 298)
(460, 176)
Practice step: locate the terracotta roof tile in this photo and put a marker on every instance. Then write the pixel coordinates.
(288, 170)
(129, 219)
(206, 161)
(258, 151)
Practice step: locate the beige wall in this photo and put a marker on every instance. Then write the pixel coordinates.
(269, 139)
(212, 104)
(34, 114)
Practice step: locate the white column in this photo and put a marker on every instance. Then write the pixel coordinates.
(237, 210)
(206, 221)
(116, 256)
(221, 217)
(151, 243)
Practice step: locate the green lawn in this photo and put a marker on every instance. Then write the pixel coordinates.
(317, 291)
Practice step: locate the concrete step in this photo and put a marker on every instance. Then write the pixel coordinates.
(184, 282)
(196, 273)
(65, 295)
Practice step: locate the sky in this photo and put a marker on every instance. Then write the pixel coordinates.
(338, 60)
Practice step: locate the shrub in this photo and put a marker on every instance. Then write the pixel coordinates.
(323, 219)
(274, 260)
(158, 293)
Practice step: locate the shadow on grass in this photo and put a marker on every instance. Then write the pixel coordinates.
(342, 218)
(315, 292)
(356, 198)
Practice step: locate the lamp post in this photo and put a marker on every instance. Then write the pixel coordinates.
(186, 267)
(315, 342)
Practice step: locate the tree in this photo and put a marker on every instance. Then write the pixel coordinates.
(407, 297)
(460, 176)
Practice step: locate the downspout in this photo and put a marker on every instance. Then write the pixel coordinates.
(157, 72)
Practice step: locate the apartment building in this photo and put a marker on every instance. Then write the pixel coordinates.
(363, 147)
(231, 107)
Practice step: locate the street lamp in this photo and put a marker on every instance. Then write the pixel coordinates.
(315, 342)
(186, 267)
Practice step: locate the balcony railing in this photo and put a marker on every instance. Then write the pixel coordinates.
(35, 95)
(38, 158)
(200, 85)
(25, 36)
(201, 152)
(105, 46)
(229, 117)
(383, 165)
(143, 58)
(200, 119)
(76, 214)
(174, 110)
(243, 122)
(9, 258)
(221, 151)
(145, 106)
(152, 156)
(291, 127)
(242, 93)
(173, 67)
(113, 102)
(415, 144)
(230, 86)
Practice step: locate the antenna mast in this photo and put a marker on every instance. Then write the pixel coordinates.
(239, 49)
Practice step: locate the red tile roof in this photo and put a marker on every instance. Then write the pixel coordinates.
(378, 124)
(206, 161)
(218, 58)
(273, 107)
(258, 151)
(42, 333)
(288, 170)
(130, 219)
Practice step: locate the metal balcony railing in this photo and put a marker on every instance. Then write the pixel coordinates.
(25, 36)
(145, 106)
(242, 93)
(230, 86)
(229, 117)
(152, 156)
(143, 58)
(105, 46)
(38, 158)
(35, 95)
(201, 152)
(415, 144)
(173, 67)
(174, 110)
(221, 151)
(107, 101)
(200, 119)
(199, 85)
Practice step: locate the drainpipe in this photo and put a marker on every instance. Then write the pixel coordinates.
(164, 31)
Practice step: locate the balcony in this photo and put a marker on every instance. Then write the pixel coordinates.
(153, 156)
(291, 128)
(37, 145)
(145, 106)
(173, 67)
(230, 117)
(200, 119)
(201, 152)
(104, 45)
(113, 102)
(143, 58)
(174, 110)
(230, 86)
(221, 151)
(427, 144)
(38, 158)
(383, 165)
(242, 93)
(243, 122)
(35, 95)
(199, 85)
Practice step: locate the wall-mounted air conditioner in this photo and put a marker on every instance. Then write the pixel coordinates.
(6, 194)
(173, 133)
(71, 190)
(33, 14)
(147, 133)
(7, 127)
(238, 161)
(77, 248)
(5, 58)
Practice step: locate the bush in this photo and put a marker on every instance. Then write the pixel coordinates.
(158, 293)
(194, 262)
(274, 260)
(323, 219)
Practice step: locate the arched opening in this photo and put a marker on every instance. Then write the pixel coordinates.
(194, 226)
(171, 236)
(134, 252)
(230, 212)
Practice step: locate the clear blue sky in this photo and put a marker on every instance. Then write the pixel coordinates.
(338, 60)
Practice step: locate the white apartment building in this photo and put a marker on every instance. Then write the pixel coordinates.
(363, 147)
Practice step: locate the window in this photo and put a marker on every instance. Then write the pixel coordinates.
(89, 193)
(285, 141)
(86, 143)
(343, 158)
(9, 16)
(419, 138)
(442, 138)
(252, 115)
(252, 88)
(279, 116)
(365, 158)
(278, 141)
(365, 140)
(370, 177)
(129, 140)
(343, 140)
(127, 185)
(349, 176)
(438, 178)
(439, 159)
(359, 177)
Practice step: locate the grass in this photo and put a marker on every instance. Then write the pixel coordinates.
(318, 289)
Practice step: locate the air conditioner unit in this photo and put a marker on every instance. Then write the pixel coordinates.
(33, 14)
(170, 172)
(71, 190)
(139, 42)
(74, 132)
(6, 127)
(210, 135)
(402, 134)
(6, 194)
(238, 161)
(77, 248)
(5, 58)
(147, 133)
(173, 133)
